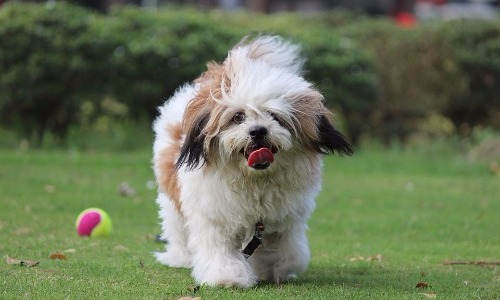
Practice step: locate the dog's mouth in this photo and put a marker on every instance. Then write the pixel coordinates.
(259, 157)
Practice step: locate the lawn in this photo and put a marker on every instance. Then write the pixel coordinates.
(385, 223)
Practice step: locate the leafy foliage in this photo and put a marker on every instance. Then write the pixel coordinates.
(51, 61)
(158, 52)
(67, 67)
(432, 81)
(475, 48)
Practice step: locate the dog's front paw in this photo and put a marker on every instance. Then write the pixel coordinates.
(231, 273)
(175, 258)
(227, 280)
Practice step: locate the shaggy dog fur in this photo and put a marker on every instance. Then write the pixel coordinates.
(214, 188)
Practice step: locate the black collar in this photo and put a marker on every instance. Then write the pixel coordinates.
(256, 240)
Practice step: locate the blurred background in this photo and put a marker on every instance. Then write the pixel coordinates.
(89, 74)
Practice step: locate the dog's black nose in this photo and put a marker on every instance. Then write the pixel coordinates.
(258, 132)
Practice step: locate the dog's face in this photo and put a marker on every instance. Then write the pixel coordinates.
(249, 130)
(254, 106)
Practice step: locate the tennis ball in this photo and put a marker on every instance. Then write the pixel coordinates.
(93, 222)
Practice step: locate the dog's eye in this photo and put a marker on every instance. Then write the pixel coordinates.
(276, 118)
(239, 117)
(280, 121)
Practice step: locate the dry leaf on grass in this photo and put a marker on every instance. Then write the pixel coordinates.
(12, 261)
(30, 263)
(423, 285)
(357, 258)
(429, 295)
(20, 262)
(121, 248)
(190, 298)
(377, 257)
(193, 289)
(57, 255)
(125, 190)
(472, 262)
(49, 188)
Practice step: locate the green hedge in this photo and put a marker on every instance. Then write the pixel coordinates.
(64, 67)
(49, 62)
(475, 48)
(446, 71)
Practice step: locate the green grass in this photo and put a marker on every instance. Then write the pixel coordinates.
(414, 209)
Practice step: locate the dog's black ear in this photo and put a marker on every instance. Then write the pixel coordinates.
(330, 140)
(193, 150)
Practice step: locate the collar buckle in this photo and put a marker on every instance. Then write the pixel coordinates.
(256, 240)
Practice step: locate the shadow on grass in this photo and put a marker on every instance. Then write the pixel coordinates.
(366, 276)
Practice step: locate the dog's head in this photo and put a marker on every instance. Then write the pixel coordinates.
(255, 105)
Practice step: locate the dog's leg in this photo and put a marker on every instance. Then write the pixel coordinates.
(283, 255)
(217, 260)
(174, 231)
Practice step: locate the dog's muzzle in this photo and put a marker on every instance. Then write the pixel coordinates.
(259, 153)
(259, 157)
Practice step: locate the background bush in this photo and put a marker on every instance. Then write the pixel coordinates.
(68, 72)
(416, 79)
(50, 61)
(475, 49)
(434, 80)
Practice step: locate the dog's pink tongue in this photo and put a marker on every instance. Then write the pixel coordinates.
(262, 156)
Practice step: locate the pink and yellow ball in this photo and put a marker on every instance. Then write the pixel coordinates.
(93, 222)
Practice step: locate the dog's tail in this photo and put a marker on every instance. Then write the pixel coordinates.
(273, 50)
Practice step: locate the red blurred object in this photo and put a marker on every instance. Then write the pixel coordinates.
(405, 19)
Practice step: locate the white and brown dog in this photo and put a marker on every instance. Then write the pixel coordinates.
(239, 149)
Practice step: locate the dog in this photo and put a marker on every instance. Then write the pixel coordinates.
(237, 156)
